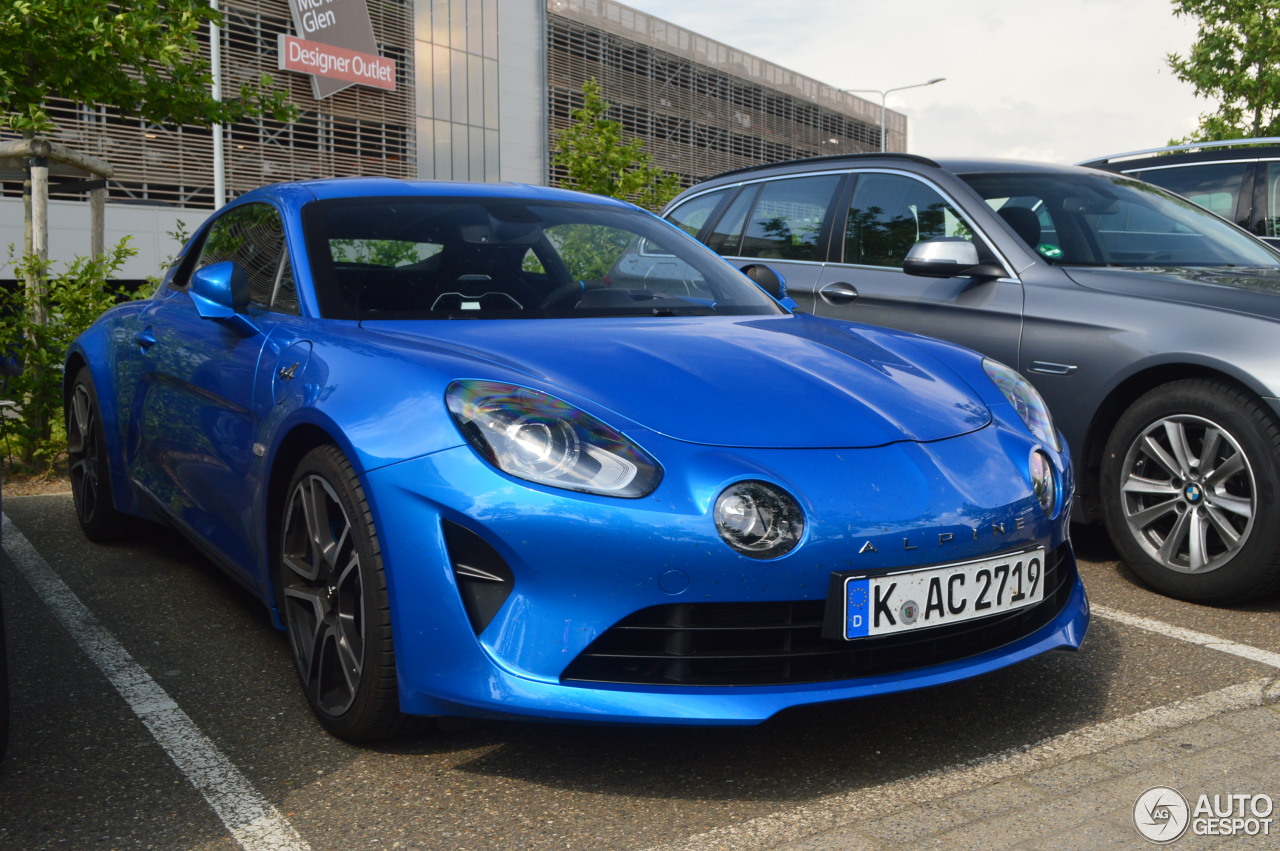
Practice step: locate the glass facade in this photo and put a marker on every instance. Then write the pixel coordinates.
(457, 46)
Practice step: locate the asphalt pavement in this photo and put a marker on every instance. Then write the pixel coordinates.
(155, 707)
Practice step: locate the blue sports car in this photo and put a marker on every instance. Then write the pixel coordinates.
(496, 450)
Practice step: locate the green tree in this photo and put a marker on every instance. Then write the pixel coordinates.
(1235, 61)
(595, 158)
(142, 56)
(31, 353)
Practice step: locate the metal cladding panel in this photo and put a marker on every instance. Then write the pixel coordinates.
(360, 130)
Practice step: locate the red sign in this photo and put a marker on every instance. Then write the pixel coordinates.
(336, 63)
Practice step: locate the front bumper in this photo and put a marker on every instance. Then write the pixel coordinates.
(579, 564)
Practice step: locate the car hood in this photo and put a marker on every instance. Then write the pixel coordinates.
(1237, 288)
(793, 381)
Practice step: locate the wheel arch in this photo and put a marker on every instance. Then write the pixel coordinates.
(1114, 405)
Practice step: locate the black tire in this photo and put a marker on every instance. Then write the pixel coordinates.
(1190, 487)
(88, 466)
(333, 600)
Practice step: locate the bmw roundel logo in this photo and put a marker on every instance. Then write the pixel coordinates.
(1193, 492)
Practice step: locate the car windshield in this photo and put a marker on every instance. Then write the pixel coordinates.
(1107, 220)
(469, 258)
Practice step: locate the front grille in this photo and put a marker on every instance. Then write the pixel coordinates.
(777, 643)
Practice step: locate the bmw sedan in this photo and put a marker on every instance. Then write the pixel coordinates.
(500, 451)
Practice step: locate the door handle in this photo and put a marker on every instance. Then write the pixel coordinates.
(145, 339)
(838, 293)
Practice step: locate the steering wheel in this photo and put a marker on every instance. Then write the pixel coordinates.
(562, 293)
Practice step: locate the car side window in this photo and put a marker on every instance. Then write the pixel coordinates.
(692, 215)
(252, 236)
(890, 213)
(1216, 187)
(725, 238)
(1269, 225)
(786, 223)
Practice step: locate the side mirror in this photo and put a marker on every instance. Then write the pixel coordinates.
(220, 292)
(768, 279)
(948, 258)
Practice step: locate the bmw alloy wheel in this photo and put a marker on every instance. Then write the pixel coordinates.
(1190, 497)
(1188, 479)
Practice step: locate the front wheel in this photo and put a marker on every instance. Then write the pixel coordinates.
(1190, 490)
(334, 602)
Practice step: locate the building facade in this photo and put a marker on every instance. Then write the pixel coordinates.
(480, 90)
(702, 107)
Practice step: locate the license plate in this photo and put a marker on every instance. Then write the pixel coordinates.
(937, 596)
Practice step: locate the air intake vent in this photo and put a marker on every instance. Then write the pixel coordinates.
(484, 580)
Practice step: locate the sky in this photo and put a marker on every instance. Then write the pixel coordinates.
(1054, 80)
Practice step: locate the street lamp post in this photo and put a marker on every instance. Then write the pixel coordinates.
(884, 96)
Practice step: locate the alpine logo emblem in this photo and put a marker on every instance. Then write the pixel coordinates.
(915, 542)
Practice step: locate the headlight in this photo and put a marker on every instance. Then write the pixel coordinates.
(1043, 483)
(1025, 400)
(537, 437)
(759, 520)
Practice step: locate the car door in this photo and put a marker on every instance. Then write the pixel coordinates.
(886, 214)
(202, 390)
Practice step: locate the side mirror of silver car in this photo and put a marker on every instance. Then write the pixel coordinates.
(948, 258)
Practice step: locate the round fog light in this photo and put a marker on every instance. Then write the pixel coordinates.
(758, 519)
(1042, 482)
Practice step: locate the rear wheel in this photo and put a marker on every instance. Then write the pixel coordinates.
(1190, 491)
(87, 464)
(333, 596)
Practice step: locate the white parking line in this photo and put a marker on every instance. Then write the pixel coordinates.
(251, 819)
(1212, 642)
(793, 825)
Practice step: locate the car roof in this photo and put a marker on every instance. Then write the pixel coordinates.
(374, 187)
(955, 165)
(1225, 151)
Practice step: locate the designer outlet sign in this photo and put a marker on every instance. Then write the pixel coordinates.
(335, 45)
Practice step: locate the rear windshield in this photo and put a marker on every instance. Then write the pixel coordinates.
(1108, 220)
(468, 258)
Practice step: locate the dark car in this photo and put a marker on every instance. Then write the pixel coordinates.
(1148, 324)
(1239, 179)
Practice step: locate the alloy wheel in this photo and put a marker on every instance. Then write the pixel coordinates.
(323, 595)
(1189, 494)
(82, 449)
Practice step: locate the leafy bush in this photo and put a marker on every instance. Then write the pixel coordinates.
(36, 329)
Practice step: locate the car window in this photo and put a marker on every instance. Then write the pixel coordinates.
(786, 222)
(726, 237)
(252, 236)
(692, 215)
(1216, 187)
(1270, 225)
(1107, 220)
(467, 258)
(890, 213)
